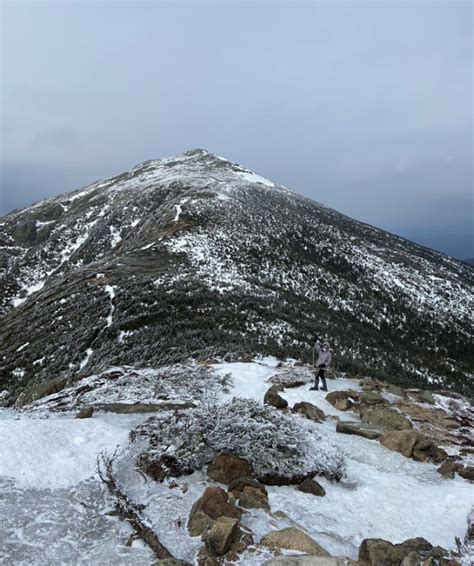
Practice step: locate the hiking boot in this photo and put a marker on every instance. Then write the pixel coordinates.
(313, 389)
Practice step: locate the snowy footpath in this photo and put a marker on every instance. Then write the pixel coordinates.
(55, 511)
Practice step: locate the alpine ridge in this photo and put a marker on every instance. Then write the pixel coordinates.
(194, 256)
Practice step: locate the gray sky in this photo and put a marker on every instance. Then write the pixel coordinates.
(365, 106)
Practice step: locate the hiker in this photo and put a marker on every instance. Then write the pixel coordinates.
(324, 360)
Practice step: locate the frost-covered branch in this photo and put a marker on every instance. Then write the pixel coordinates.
(127, 508)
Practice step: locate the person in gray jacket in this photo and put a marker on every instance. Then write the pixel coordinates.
(323, 350)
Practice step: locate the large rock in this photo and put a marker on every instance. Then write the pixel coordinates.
(310, 411)
(402, 441)
(226, 468)
(312, 486)
(250, 493)
(292, 538)
(379, 552)
(372, 432)
(309, 561)
(273, 398)
(413, 444)
(208, 508)
(384, 416)
(372, 398)
(342, 400)
(85, 413)
(221, 535)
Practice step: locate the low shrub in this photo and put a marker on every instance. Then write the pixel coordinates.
(273, 443)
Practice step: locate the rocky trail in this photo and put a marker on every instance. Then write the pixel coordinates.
(392, 464)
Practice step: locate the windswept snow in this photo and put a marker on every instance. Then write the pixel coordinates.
(179, 209)
(85, 361)
(254, 178)
(110, 290)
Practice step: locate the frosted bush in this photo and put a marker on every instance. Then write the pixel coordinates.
(293, 376)
(272, 442)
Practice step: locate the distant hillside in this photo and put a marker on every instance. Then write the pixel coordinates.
(194, 256)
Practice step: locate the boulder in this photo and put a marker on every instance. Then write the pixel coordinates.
(310, 411)
(342, 399)
(372, 398)
(250, 493)
(274, 478)
(372, 432)
(292, 538)
(311, 486)
(208, 508)
(402, 441)
(221, 535)
(412, 559)
(226, 468)
(85, 413)
(466, 472)
(309, 561)
(344, 404)
(386, 417)
(448, 468)
(379, 552)
(272, 398)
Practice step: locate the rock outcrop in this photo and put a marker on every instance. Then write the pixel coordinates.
(292, 538)
(208, 508)
(273, 398)
(309, 411)
(226, 468)
(366, 430)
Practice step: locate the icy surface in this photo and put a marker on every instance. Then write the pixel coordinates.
(53, 507)
(54, 510)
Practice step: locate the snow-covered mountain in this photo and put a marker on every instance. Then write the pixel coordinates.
(195, 256)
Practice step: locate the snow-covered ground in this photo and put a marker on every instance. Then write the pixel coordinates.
(52, 505)
(54, 508)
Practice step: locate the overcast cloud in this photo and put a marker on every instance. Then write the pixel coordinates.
(365, 106)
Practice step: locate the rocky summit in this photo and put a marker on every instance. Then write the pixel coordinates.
(195, 256)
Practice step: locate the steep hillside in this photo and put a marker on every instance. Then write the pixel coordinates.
(194, 256)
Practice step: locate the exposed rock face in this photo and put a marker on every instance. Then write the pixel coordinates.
(221, 535)
(312, 486)
(208, 508)
(293, 539)
(310, 411)
(272, 398)
(372, 432)
(226, 468)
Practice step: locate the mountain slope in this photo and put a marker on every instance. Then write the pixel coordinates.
(194, 256)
